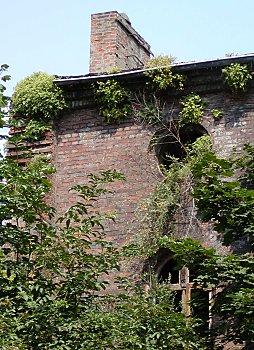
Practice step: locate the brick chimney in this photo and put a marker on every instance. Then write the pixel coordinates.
(115, 43)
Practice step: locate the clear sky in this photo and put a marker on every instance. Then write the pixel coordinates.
(54, 35)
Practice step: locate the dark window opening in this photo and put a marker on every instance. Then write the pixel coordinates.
(189, 298)
(171, 144)
(169, 272)
(200, 308)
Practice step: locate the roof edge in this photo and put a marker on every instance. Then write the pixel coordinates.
(179, 66)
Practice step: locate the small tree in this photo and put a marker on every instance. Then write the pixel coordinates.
(49, 272)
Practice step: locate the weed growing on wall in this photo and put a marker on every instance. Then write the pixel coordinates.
(160, 74)
(236, 76)
(217, 114)
(193, 110)
(113, 101)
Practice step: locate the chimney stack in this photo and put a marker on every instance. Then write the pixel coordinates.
(116, 44)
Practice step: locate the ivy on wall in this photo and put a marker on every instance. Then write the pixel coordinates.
(159, 213)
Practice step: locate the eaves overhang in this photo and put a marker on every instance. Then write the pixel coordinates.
(177, 67)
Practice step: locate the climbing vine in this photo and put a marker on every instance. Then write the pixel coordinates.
(236, 76)
(160, 213)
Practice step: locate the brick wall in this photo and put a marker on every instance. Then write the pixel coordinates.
(85, 144)
(115, 43)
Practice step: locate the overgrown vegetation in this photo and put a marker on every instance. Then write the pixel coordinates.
(217, 114)
(113, 101)
(236, 76)
(51, 277)
(160, 74)
(161, 210)
(224, 195)
(192, 111)
(36, 101)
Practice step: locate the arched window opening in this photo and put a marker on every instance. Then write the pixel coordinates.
(190, 298)
(171, 142)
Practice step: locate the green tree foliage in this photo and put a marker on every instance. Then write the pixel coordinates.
(48, 272)
(148, 320)
(51, 274)
(224, 193)
(233, 275)
(54, 269)
(3, 98)
(223, 190)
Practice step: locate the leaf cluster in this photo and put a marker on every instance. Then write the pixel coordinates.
(113, 101)
(217, 114)
(3, 98)
(236, 76)
(192, 111)
(148, 320)
(233, 277)
(160, 74)
(35, 103)
(224, 196)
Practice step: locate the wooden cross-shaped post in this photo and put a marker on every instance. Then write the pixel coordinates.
(185, 286)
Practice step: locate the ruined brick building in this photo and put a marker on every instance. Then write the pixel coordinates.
(82, 143)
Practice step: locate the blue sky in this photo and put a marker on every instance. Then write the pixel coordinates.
(54, 35)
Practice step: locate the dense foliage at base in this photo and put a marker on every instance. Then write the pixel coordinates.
(50, 276)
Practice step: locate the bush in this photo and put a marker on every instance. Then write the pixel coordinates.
(36, 97)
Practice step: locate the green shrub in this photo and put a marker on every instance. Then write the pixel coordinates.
(113, 101)
(161, 75)
(236, 76)
(193, 110)
(37, 97)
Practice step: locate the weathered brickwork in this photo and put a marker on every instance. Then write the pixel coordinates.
(115, 44)
(84, 144)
